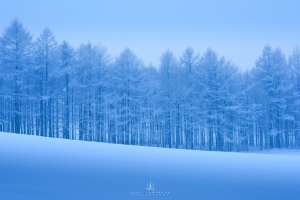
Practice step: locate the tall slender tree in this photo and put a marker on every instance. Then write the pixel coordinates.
(66, 58)
(127, 80)
(294, 108)
(190, 62)
(168, 64)
(15, 47)
(46, 62)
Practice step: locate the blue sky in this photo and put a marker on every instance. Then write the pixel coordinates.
(237, 30)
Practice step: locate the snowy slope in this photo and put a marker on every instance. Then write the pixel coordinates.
(33, 167)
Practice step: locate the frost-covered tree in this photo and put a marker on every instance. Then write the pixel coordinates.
(294, 109)
(168, 65)
(67, 62)
(271, 78)
(85, 79)
(126, 78)
(210, 80)
(103, 60)
(218, 79)
(46, 58)
(15, 48)
(150, 108)
(189, 62)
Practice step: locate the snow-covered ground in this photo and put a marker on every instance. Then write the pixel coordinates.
(33, 167)
(295, 152)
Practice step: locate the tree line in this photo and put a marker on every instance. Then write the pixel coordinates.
(193, 102)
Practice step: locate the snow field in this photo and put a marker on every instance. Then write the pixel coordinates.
(33, 167)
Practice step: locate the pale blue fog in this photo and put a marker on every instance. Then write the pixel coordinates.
(237, 30)
(133, 100)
